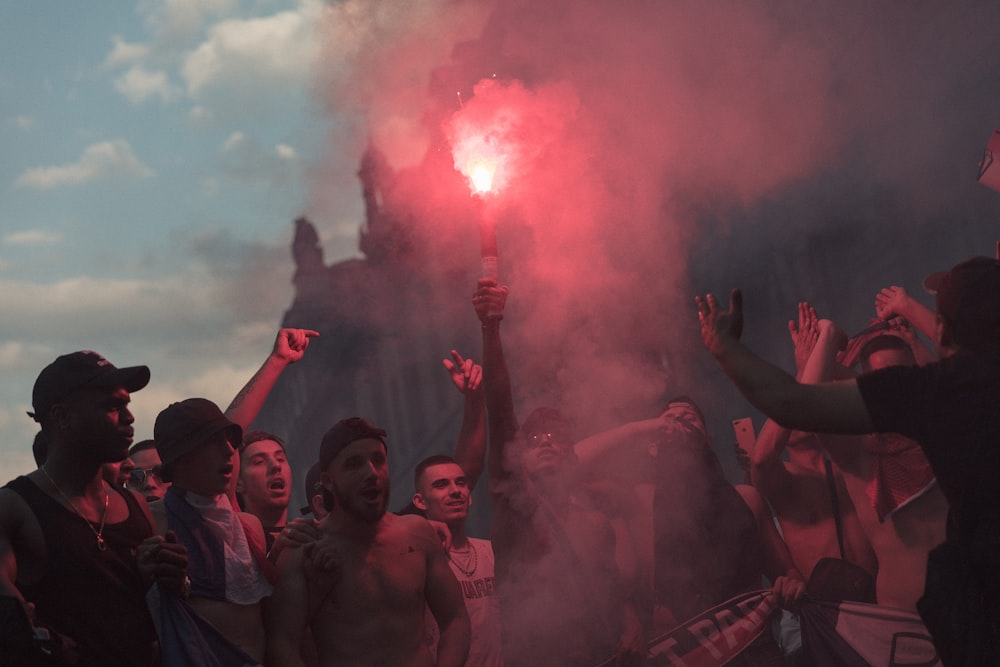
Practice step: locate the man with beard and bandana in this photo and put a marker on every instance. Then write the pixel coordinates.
(362, 588)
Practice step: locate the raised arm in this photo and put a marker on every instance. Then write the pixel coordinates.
(820, 368)
(470, 450)
(767, 470)
(289, 346)
(894, 300)
(831, 407)
(632, 439)
(489, 301)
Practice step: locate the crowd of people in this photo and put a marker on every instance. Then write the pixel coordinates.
(872, 483)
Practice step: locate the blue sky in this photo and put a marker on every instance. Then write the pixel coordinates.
(155, 155)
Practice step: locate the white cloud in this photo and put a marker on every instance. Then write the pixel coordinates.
(123, 53)
(249, 55)
(32, 237)
(139, 84)
(173, 21)
(101, 161)
(190, 328)
(13, 353)
(24, 123)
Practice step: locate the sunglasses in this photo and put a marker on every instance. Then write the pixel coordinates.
(139, 475)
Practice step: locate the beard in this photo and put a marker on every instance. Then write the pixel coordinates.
(359, 508)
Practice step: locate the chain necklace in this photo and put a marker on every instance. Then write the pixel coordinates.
(473, 559)
(97, 533)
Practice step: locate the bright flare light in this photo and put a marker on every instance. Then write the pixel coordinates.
(481, 178)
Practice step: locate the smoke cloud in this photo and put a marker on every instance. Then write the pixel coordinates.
(654, 150)
(817, 151)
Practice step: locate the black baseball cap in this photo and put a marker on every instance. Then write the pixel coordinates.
(81, 370)
(344, 433)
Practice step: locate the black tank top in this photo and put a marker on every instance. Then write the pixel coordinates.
(95, 597)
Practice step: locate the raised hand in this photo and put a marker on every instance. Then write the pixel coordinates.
(489, 300)
(804, 334)
(465, 373)
(720, 327)
(291, 344)
(890, 301)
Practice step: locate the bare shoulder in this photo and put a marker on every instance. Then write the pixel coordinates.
(252, 523)
(254, 530)
(411, 527)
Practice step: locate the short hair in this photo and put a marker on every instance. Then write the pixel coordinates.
(435, 460)
(881, 343)
(141, 446)
(257, 435)
(688, 401)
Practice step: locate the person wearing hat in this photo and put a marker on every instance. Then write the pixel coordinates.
(951, 407)
(363, 587)
(228, 567)
(227, 563)
(80, 550)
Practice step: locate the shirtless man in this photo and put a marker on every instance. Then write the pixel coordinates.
(902, 527)
(364, 585)
(227, 560)
(229, 571)
(798, 489)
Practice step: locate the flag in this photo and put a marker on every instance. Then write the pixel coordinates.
(854, 634)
